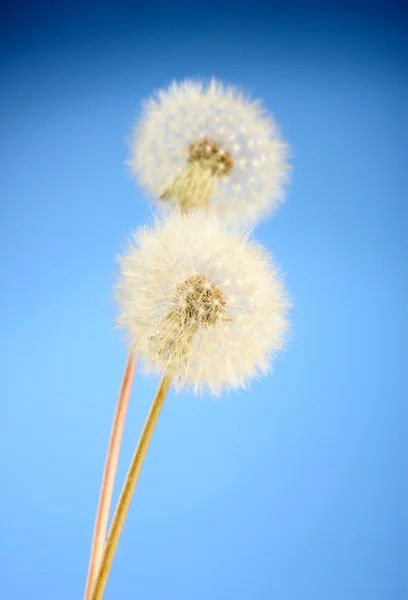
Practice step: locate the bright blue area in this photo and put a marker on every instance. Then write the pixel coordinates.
(295, 489)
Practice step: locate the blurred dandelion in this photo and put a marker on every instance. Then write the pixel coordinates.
(206, 146)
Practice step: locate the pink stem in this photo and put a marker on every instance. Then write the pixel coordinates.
(108, 480)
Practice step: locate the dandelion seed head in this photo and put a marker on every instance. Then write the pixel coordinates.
(218, 130)
(200, 303)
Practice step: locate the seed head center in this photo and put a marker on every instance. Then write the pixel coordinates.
(202, 302)
(210, 155)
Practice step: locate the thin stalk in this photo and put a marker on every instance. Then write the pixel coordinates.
(108, 479)
(129, 488)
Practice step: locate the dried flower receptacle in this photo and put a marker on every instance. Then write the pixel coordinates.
(197, 303)
(207, 162)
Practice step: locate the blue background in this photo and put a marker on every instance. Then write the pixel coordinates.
(295, 489)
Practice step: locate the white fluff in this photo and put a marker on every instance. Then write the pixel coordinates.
(217, 333)
(191, 111)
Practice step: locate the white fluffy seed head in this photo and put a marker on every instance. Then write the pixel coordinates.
(201, 303)
(230, 138)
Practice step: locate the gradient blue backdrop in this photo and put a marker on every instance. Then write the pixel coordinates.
(295, 489)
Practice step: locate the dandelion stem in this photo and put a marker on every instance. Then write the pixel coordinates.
(108, 479)
(129, 488)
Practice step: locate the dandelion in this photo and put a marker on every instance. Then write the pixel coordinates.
(206, 146)
(206, 308)
(200, 303)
